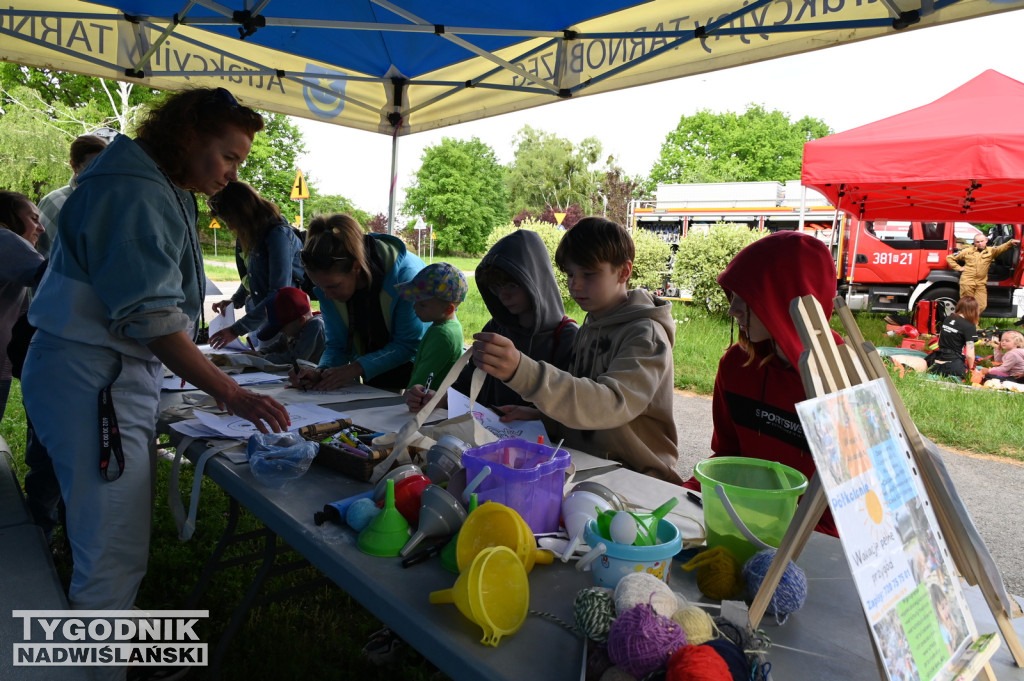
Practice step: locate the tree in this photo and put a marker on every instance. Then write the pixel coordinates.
(617, 190)
(754, 146)
(550, 170)
(326, 204)
(460, 191)
(273, 162)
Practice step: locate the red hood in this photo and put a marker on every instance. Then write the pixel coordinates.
(769, 273)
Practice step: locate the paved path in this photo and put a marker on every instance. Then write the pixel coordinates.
(992, 488)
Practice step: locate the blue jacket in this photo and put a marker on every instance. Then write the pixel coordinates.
(126, 261)
(404, 326)
(273, 264)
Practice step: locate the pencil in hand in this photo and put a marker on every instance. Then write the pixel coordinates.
(426, 388)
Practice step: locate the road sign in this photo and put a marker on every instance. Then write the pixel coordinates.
(559, 217)
(214, 224)
(299, 189)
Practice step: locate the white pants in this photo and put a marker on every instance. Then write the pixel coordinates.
(108, 523)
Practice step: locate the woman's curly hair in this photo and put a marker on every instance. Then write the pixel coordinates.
(171, 129)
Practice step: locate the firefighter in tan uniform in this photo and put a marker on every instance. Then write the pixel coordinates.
(976, 260)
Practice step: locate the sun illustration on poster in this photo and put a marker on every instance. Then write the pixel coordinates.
(875, 512)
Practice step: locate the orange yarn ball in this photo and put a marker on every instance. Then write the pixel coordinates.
(697, 663)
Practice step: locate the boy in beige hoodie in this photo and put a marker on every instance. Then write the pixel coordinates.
(615, 401)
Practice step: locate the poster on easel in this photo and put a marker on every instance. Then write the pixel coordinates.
(901, 566)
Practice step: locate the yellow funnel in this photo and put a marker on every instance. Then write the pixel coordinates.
(494, 524)
(493, 593)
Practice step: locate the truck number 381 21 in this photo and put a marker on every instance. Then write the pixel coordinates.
(893, 258)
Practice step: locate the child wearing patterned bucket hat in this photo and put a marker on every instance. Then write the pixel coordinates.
(436, 292)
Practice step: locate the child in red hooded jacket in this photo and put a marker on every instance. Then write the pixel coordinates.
(758, 384)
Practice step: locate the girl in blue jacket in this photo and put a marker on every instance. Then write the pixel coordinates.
(372, 333)
(266, 253)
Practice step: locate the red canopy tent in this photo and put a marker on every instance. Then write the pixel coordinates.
(959, 158)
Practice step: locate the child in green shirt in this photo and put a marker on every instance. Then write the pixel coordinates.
(436, 292)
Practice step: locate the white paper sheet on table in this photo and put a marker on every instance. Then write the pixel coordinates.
(388, 419)
(206, 424)
(223, 321)
(349, 393)
(458, 404)
(251, 378)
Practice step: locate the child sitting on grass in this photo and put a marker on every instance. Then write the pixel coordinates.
(1009, 353)
(292, 331)
(436, 293)
(615, 401)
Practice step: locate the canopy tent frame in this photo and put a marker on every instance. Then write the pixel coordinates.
(461, 82)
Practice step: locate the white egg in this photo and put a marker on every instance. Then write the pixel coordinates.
(622, 529)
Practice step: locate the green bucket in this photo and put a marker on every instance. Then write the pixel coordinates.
(763, 495)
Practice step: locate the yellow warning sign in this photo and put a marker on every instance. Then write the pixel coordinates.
(214, 224)
(299, 189)
(559, 217)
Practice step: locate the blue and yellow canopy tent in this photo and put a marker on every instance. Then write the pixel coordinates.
(403, 66)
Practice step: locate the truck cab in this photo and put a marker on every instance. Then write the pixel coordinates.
(887, 266)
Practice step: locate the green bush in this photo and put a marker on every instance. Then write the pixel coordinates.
(702, 257)
(649, 265)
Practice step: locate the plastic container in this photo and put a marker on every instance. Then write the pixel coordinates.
(609, 562)
(762, 493)
(525, 476)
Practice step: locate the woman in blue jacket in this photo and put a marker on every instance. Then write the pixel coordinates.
(266, 253)
(372, 333)
(122, 295)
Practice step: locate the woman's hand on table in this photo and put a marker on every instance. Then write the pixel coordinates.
(222, 337)
(330, 378)
(518, 412)
(496, 355)
(264, 411)
(416, 397)
(221, 306)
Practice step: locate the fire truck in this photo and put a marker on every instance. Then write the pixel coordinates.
(881, 265)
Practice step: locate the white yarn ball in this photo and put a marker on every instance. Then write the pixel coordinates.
(643, 587)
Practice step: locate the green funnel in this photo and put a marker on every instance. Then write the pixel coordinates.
(388, 531)
(449, 558)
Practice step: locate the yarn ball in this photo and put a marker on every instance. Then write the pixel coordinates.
(718, 573)
(697, 624)
(360, 513)
(643, 587)
(593, 612)
(598, 661)
(791, 592)
(728, 630)
(641, 640)
(617, 674)
(697, 663)
(735, 658)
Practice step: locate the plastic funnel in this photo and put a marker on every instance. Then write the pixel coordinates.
(493, 593)
(440, 515)
(387, 532)
(495, 524)
(448, 559)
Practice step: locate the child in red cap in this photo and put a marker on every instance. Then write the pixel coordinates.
(292, 330)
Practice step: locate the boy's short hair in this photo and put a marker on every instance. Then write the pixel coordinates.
(439, 280)
(593, 241)
(284, 306)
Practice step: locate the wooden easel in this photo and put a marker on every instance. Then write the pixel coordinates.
(826, 368)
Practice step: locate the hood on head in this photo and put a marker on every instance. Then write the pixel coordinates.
(523, 256)
(769, 273)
